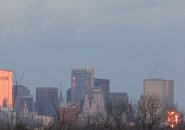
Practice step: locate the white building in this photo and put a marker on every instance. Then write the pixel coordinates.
(43, 120)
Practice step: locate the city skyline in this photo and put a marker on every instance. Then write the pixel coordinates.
(124, 41)
(80, 76)
(95, 78)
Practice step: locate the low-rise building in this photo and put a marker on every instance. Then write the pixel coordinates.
(69, 113)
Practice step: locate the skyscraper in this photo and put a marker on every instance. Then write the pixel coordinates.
(20, 90)
(22, 98)
(164, 89)
(47, 100)
(81, 81)
(104, 86)
(5, 89)
(22, 103)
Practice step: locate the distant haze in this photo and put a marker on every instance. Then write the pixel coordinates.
(125, 41)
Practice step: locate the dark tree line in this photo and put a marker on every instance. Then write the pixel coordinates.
(147, 114)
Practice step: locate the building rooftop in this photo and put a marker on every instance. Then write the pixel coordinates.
(157, 79)
(87, 69)
(5, 70)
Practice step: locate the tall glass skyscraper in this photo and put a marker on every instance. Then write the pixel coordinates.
(81, 81)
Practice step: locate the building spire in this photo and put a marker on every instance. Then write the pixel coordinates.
(61, 98)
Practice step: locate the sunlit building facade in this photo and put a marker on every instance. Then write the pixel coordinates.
(5, 89)
(164, 89)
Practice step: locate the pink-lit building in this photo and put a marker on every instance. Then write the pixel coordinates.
(5, 89)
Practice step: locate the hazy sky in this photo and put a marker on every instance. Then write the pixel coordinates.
(123, 40)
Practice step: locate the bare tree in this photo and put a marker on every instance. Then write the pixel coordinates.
(104, 122)
(16, 81)
(119, 116)
(149, 113)
(61, 122)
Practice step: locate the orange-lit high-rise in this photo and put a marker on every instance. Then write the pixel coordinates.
(5, 88)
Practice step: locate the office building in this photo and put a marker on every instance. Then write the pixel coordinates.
(43, 121)
(68, 114)
(5, 89)
(47, 100)
(7, 116)
(23, 99)
(24, 102)
(20, 90)
(118, 98)
(164, 89)
(81, 81)
(104, 86)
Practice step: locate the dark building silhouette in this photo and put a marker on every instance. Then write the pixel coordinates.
(20, 90)
(47, 100)
(68, 95)
(104, 86)
(23, 99)
(117, 98)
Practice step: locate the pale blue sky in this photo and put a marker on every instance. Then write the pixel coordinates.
(123, 40)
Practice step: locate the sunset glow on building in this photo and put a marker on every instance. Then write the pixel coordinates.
(5, 89)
